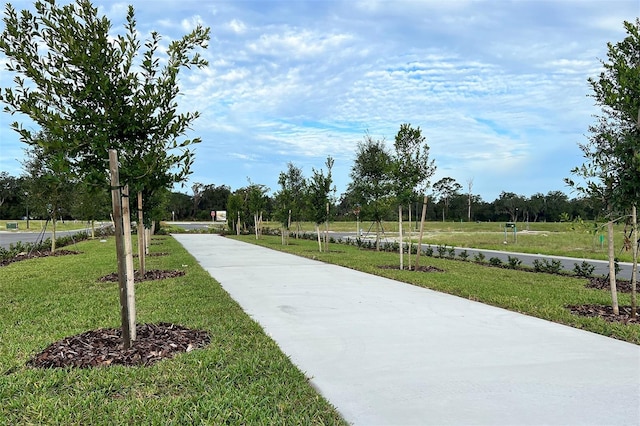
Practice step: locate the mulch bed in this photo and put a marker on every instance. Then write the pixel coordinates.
(103, 347)
(427, 268)
(605, 312)
(153, 274)
(36, 254)
(153, 254)
(600, 283)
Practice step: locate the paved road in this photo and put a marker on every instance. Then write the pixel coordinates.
(388, 353)
(601, 266)
(12, 237)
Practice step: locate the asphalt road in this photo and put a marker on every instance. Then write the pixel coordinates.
(568, 263)
(12, 237)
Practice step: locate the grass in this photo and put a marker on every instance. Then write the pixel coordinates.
(540, 295)
(240, 378)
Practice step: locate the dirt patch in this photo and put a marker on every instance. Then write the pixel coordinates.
(605, 312)
(37, 254)
(153, 274)
(600, 283)
(427, 268)
(103, 347)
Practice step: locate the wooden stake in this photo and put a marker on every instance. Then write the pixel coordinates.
(128, 251)
(400, 236)
(116, 201)
(141, 238)
(424, 214)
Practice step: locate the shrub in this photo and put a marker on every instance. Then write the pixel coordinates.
(442, 249)
(544, 265)
(463, 255)
(429, 251)
(479, 257)
(585, 269)
(514, 262)
(452, 252)
(494, 261)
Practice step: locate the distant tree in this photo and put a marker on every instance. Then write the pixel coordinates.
(8, 185)
(211, 198)
(179, 206)
(446, 188)
(509, 204)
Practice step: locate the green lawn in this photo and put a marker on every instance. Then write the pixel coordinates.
(536, 294)
(240, 378)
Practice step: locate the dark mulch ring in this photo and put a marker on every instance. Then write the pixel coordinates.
(154, 254)
(427, 268)
(600, 283)
(103, 347)
(153, 274)
(36, 254)
(605, 312)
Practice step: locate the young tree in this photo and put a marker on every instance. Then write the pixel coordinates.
(50, 183)
(256, 201)
(319, 200)
(82, 86)
(412, 170)
(371, 181)
(290, 199)
(613, 151)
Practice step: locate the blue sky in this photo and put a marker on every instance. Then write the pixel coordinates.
(499, 88)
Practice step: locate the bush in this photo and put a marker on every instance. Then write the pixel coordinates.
(553, 267)
(514, 262)
(463, 255)
(585, 269)
(452, 252)
(479, 257)
(429, 251)
(442, 249)
(494, 261)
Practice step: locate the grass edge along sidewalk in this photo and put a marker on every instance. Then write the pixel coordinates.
(536, 294)
(242, 377)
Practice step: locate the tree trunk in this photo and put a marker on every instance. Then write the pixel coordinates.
(319, 242)
(634, 271)
(116, 200)
(142, 259)
(238, 225)
(255, 224)
(612, 270)
(377, 235)
(424, 214)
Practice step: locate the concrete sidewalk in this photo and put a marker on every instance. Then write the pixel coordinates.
(388, 353)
